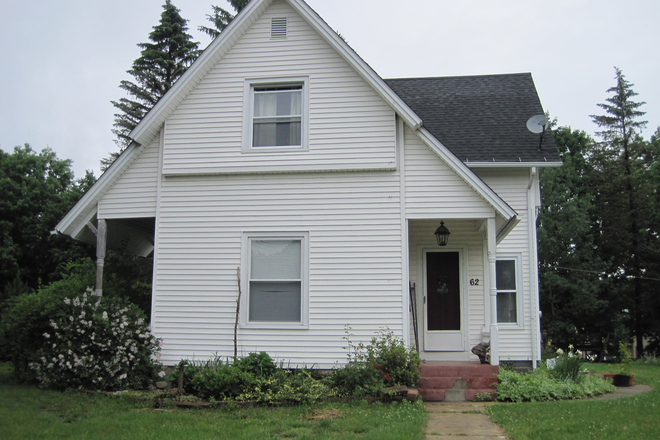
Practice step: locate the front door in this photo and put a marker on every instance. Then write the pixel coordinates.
(444, 302)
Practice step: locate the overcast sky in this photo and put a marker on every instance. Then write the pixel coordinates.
(61, 61)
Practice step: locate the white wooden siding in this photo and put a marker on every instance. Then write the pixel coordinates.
(355, 263)
(511, 185)
(134, 193)
(433, 190)
(351, 127)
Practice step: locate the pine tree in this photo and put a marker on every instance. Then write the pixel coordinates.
(161, 62)
(221, 18)
(621, 179)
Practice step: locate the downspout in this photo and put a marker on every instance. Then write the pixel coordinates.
(405, 275)
(533, 201)
(492, 281)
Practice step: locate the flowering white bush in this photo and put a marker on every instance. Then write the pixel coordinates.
(97, 344)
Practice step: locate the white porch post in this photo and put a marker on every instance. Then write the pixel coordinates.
(100, 255)
(492, 276)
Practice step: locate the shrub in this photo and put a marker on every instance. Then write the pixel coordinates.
(98, 344)
(385, 361)
(27, 317)
(289, 386)
(225, 380)
(258, 364)
(540, 386)
(218, 380)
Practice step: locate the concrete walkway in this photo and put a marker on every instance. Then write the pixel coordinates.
(468, 420)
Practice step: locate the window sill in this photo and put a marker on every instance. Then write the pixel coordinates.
(510, 326)
(274, 326)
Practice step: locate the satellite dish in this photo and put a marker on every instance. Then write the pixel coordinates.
(537, 124)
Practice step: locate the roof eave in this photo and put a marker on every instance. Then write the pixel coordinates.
(513, 164)
(82, 211)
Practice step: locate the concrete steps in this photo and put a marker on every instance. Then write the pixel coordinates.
(456, 382)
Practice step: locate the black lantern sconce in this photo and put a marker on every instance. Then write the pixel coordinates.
(442, 234)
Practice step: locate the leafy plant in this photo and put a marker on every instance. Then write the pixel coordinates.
(98, 344)
(483, 397)
(258, 364)
(289, 386)
(385, 361)
(626, 360)
(567, 365)
(540, 386)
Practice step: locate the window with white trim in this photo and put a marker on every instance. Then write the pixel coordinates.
(277, 115)
(276, 280)
(508, 293)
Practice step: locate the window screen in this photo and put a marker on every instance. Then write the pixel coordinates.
(277, 117)
(507, 291)
(275, 288)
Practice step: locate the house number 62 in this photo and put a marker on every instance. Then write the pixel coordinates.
(474, 282)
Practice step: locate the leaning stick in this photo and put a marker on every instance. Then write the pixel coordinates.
(238, 304)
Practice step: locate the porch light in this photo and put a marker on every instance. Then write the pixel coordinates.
(442, 234)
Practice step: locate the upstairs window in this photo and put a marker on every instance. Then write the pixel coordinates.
(276, 115)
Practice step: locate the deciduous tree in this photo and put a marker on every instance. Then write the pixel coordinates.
(36, 191)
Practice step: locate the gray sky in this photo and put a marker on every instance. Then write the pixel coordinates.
(61, 61)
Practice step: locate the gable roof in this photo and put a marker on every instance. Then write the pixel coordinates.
(150, 127)
(481, 119)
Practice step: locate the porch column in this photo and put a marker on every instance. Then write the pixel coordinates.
(101, 234)
(100, 255)
(492, 277)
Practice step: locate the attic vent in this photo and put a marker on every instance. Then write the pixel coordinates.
(278, 28)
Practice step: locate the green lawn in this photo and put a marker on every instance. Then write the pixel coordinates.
(28, 413)
(629, 418)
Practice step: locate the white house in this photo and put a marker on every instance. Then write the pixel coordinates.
(282, 153)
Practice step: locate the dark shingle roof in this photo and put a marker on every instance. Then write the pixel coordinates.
(480, 118)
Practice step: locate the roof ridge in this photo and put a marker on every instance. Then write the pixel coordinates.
(486, 75)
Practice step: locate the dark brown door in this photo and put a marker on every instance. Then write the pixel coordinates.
(443, 293)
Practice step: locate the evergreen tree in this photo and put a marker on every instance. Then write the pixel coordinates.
(570, 286)
(161, 62)
(221, 18)
(626, 235)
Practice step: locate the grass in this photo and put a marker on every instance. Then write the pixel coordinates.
(28, 412)
(635, 417)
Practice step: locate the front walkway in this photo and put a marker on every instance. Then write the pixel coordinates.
(468, 420)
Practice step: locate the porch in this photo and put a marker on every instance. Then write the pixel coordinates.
(453, 296)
